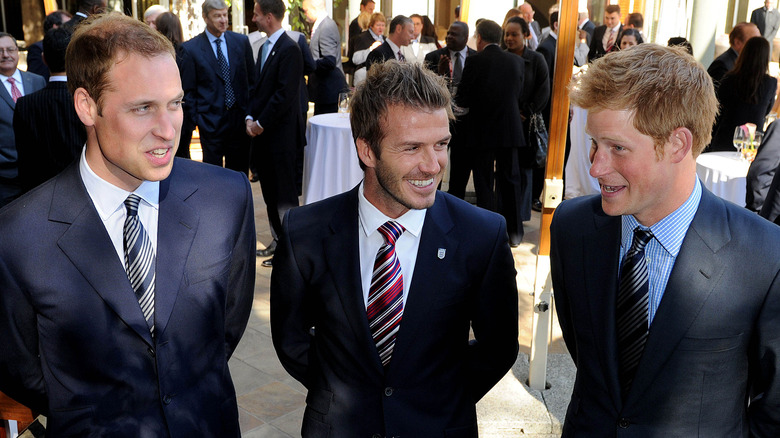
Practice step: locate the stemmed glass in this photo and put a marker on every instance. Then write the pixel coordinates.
(741, 136)
(344, 98)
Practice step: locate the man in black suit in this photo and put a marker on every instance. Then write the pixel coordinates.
(274, 121)
(216, 75)
(606, 36)
(737, 38)
(49, 134)
(35, 62)
(448, 62)
(328, 79)
(668, 296)
(401, 34)
(492, 89)
(354, 28)
(374, 291)
(585, 25)
(85, 9)
(15, 84)
(127, 280)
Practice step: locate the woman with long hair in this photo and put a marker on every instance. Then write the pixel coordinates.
(746, 94)
(536, 93)
(429, 30)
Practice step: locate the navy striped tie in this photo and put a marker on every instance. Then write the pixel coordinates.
(385, 297)
(139, 259)
(632, 308)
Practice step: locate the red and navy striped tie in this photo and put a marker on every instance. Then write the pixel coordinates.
(385, 297)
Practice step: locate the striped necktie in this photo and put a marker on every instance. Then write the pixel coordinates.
(224, 70)
(401, 56)
(385, 297)
(15, 93)
(632, 308)
(140, 260)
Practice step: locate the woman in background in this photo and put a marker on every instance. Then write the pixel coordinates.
(367, 41)
(429, 30)
(630, 38)
(746, 94)
(169, 25)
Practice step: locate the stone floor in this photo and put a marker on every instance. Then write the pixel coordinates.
(271, 402)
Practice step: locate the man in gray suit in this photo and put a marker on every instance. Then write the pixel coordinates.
(16, 83)
(328, 79)
(768, 21)
(668, 296)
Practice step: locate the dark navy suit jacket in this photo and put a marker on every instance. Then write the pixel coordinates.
(76, 346)
(712, 346)
(464, 277)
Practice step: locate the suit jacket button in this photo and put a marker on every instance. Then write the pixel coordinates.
(167, 399)
(376, 435)
(624, 423)
(388, 391)
(151, 352)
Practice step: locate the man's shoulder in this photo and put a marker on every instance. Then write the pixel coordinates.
(464, 215)
(195, 42)
(38, 81)
(436, 54)
(240, 37)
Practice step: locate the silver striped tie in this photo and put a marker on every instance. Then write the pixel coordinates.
(140, 259)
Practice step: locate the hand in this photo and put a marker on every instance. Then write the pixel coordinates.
(444, 66)
(252, 129)
(375, 45)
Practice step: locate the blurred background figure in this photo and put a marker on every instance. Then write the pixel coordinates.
(421, 44)
(35, 62)
(630, 38)
(429, 30)
(682, 42)
(151, 14)
(746, 94)
(169, 25)
(368, 40)
(767, 19)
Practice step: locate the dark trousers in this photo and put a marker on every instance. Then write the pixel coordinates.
(498, 182)
(277, 170)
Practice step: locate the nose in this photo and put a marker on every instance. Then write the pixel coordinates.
(431, 164)
(167, 125)
(599, 162)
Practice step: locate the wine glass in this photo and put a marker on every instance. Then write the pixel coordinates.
(343, 102)
(751, 147)
(741, 135)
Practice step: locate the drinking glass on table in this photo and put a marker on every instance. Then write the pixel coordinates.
(344, 102)
(750, 147)
(741, 135)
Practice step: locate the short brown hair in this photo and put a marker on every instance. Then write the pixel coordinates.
(611, 9)
(393, 83)
(101, 41)
(664, 88)
(376, 17)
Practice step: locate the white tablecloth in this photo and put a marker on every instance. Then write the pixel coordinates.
(330, 164)
(724, 174)
(578, 179)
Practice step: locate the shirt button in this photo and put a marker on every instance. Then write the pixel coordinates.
(388, 391)
(624, 423)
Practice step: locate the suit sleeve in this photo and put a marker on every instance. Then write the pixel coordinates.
(290, 322)
(287, 88)
(189, 83)
(494, 319)
(467, 83)
(21, 374)
(308, 61)
(764, 408)
(249, 65)
(561, 302)
(329, 48)
(241, 283)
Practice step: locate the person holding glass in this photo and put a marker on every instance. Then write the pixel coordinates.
(746, 94)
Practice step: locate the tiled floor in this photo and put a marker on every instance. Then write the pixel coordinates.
(271, 402)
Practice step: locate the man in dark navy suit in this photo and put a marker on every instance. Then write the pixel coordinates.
(127, 280)
(275, 121)
(216, 76)
(374, 291)
(401, 34)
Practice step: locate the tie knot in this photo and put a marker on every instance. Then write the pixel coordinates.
(457, 55)
(131, 204)
(391, 230)
(641, 239)
(218, 41)
(11, 81)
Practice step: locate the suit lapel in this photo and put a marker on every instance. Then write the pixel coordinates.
(208, 53)
(429, 270)
(177, 225)
(601, 275)
(7, 97)
(88, 246)
(233, 58)
(696, 271)
(344, 264)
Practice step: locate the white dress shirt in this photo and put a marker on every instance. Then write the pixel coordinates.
(109, 201)
(222, 45)
(370, 240)
(18, 77)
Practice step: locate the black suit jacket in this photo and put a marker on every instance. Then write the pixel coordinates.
(49, 134)
(722, 64)
(597, 49)
(492, 89)
(35, 62)
(321, 334)
(380, 55)
(761, 174)
(712, 346)
(459, 127)
(735, 110)
(204, 86)
(75, 344)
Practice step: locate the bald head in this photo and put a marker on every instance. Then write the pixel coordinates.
(741, 33)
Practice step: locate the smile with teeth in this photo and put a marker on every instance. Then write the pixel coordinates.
(159, 152)
(611, 189)
(421, 182)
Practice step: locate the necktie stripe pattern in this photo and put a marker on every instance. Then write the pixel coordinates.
(15, 93)
(401, 56)
(224, 69)
(457, 69)
(632, 308)
(385, 298)
(140, 259)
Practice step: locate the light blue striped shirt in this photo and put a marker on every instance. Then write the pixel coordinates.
(662, 250)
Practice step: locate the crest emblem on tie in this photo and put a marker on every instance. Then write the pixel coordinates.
(440, 254)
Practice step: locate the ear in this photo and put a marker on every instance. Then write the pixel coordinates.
(365, 154)
(679, 144)
(86, 108)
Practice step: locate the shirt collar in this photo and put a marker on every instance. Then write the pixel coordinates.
(393, 46)
(463, 52)
(274, 37)
(375, 36)
(107, 197)
(58, 79)
(213, 38)
(17, 75)
(669, 231)
(371, 218)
